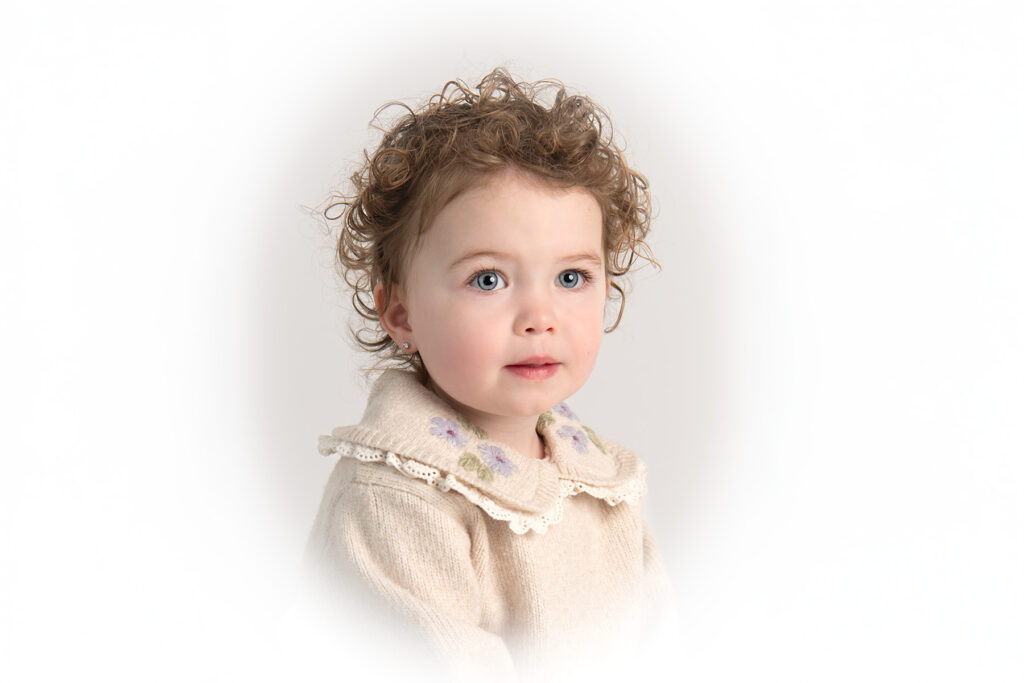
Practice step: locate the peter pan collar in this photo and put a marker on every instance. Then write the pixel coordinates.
(409, 427)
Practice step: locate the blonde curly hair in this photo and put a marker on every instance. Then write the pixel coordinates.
(454, 142)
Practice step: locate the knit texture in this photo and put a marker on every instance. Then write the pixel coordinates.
(509, 567)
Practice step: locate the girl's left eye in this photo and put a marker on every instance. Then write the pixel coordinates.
(571, 279)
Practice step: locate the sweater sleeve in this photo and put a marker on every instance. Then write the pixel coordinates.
(410, 545)
(662, 617)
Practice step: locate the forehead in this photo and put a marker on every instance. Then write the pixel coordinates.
(512, 211)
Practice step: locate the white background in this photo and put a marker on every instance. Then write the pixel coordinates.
(826, 378)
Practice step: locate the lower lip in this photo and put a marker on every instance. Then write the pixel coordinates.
(534, 371)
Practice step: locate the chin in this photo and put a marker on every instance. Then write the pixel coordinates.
(533, 407)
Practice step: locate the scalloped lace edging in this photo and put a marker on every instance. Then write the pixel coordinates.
(519, 522)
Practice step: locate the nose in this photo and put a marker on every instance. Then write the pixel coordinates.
(536, 314)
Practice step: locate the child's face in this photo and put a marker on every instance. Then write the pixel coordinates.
(504, 296)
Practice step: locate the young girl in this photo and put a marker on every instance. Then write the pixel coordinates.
(482, 241)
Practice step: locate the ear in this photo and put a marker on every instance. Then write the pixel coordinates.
(394, 317)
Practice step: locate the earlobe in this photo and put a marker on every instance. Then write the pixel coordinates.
(394, 316)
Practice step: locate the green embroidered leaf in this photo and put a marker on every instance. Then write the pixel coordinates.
(470, 462)
(466, 424)
(544, 421)
(593, 438)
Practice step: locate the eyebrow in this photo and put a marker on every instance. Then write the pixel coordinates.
(475, 255)
(587, 256)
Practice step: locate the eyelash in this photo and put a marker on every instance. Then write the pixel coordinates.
(585, 275)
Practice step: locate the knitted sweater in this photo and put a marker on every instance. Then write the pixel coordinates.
(507, 565)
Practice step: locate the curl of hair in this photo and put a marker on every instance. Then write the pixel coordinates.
(454, 142)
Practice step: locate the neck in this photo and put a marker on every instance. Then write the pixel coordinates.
(518, 432)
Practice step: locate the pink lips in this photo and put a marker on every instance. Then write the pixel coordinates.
(535, 367)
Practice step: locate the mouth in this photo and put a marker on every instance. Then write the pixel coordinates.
(535, 367)
(536, 360)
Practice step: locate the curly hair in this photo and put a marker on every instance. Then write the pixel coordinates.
(455, 141)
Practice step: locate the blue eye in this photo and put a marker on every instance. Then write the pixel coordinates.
(487, 280)
(571, 279)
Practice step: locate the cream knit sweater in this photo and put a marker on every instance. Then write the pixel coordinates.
(508, 566)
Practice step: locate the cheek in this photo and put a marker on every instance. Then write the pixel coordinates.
(454, 338)
(588, 328)
(594, 336)
(468, 344)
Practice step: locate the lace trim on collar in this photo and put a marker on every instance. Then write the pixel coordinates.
(519, 522)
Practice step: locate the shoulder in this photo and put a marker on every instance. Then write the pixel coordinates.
(381, 490)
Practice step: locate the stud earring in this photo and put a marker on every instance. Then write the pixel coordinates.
(405, 346)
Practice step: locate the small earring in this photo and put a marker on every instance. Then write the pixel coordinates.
(405, 346)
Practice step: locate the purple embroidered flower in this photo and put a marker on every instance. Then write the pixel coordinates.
(497, 460)
(565, 411)
(579, 439)
(448, 430)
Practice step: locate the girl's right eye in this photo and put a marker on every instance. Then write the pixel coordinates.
(488, 281)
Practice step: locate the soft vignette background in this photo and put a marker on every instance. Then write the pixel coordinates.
(826, 378)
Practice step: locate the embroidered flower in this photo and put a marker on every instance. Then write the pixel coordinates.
(565, 411)
(578, 438)
(497, 460)
(448, 430)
